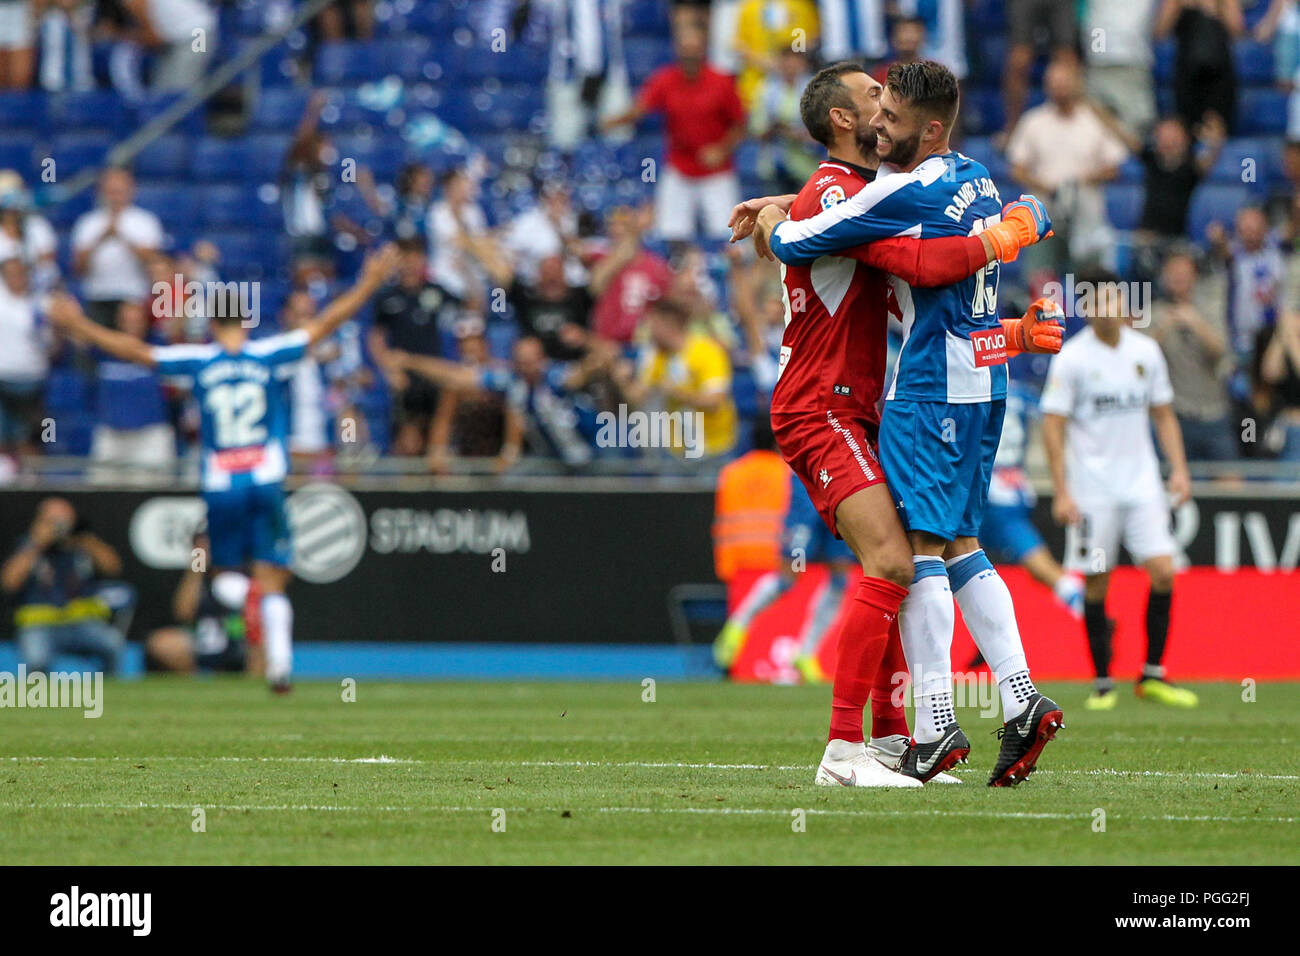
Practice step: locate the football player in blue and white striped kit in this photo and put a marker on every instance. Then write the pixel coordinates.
(944, 409)
(241, 388)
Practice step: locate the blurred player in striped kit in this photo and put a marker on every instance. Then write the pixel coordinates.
(241, 387)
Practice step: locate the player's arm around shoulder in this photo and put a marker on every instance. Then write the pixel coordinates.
(886, 207)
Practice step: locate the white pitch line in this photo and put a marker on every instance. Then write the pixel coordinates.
(628, 764)
(699, 811)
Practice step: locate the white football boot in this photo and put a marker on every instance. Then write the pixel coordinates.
(890, 750)
(847, 764)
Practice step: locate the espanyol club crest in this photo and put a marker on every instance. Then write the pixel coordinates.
(832, 196)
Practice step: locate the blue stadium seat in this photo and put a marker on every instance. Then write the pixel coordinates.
(646, 18)
(66, 389)
(18, 154)
(167, 156)
(644, 55)
(94, 110)
(1254, 62)
(279, 108)
(266, 153)
(382, 156)
(1258, 157)
(982, 110)
(192, 122)
(1124, 205)
(221, 159)
(1261, 110)
(170, 202)
(73, 152)
(1214, 202)
(228, 204)
(25, 109)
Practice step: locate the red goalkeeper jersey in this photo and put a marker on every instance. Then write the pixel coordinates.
(837, 308)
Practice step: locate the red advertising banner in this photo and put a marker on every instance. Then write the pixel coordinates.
(1224, 626)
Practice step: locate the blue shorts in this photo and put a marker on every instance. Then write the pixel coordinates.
(805, 529)
(938, 460)
(248, 524)
(1008, 534)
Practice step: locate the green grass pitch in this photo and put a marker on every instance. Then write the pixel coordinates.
(591, 773)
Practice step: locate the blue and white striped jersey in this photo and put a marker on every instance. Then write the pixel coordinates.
(953, 349)
(244, 404)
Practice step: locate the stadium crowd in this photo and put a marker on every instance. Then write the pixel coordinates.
(564, 226)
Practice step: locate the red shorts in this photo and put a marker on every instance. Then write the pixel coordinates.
(833, 452)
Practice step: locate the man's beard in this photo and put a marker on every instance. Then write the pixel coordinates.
(866, 140)
(902, 151)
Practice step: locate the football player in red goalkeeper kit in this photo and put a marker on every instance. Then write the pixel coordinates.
(825, 411)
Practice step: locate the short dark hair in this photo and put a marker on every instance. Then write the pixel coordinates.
(927, 85)
(826, 91)
(672, 310)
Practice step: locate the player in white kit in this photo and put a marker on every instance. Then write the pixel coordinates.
(1105, 390)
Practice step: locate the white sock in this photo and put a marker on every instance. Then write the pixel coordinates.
(925, 622)
(277, 632)
(843, 749)
(1069, 591)
(230, 588)
(765, 590)
(990, 614)
(825, 606)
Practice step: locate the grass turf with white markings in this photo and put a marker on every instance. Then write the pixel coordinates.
(411, 773)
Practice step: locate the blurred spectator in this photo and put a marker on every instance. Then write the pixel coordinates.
(906, 41)
(1069, 180)
(112, 245)
(53, 576)
(540, 403)
(207, 635)
(458, 238)
(17, 54)
(346, 20)
(1284, 201)
(25, 233)
(411, 316)
(132, 427)
(474, 423)
(65, 42)
(549, 228)
(1205, 78)
(1034, 26)
(944, 23)
(1279, 373)
(587, 80)
(405, 209)
(1255, 274)
(764, 30)
(1282, 26)
(684, 371)
(183, 37)
(1173, 170)
(309, 430)
(758, 301)
(852, 30)
(627, 278)
(548, 308)
(24, 360)
(705, 121)
(786, 160)
(306, 187)
(1192, 337)
(1117, 49)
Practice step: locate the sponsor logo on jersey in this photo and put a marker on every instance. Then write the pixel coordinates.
(833, 196)
(824, 477)
(990, 347)
(823, 181)
(842, 389)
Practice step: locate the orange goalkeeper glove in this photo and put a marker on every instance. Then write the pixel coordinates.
(1024, 222)
(1039, 330)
